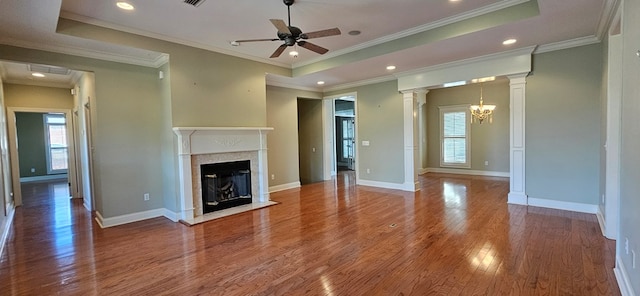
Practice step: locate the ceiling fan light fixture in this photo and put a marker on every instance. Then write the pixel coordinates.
(320, 82)
(293, 53)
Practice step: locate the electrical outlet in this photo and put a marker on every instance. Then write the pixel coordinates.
(33, 170)
(486, 162)
(313, 149)
(273, 176)
(146, 196)
(626, 245)
(368, 171)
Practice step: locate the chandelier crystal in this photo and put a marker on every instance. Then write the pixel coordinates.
(481, 112)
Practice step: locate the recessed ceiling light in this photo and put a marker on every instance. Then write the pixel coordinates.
(125, 5)
(509, 41)
(320, 82)
(354, 32)
(391, 67)
(37, 74)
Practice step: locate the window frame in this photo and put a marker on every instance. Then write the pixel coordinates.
(49, 148)
(467, 137)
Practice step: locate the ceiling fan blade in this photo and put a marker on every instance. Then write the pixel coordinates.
(312, 47)
(278, 51)
(322, 33)
(255, 40)
(281, 26)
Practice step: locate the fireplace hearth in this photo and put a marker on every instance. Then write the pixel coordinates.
(225, 185)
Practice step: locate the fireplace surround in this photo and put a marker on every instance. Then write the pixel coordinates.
(198, 146)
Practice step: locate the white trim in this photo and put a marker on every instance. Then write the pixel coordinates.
(622, 278)
(422, 171)
(607, 16)
(128, 218)
(360, 83)
(419, 29)
(517, 198)
(86, 206)
(466, 172)
(171, 215)
(601, 221)
(4, 234)
(563, 205)
(272, 82)
(283, 187)
(386, 185)
(149, 34)
(566, 44)
(44, 178)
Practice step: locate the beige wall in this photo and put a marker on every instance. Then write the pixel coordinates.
(29, 96)
(489, 141)
(282, 115)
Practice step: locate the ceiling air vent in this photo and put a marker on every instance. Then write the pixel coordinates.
(48, 69)
(194, 2)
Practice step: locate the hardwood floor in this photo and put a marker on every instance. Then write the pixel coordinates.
(457, 236)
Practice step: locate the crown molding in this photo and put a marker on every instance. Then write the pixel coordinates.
(567, 44)
(511, 53)
(419, 29)
(360, 83)
(292, 86)
(95, 22)
(39, 83)
(609, 10)
(82, 52)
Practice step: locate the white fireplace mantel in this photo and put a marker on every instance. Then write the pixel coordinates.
(194, 141)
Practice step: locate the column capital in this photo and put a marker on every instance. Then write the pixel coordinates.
(518, 78)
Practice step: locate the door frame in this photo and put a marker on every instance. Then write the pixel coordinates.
(329, 133)
(13, 147)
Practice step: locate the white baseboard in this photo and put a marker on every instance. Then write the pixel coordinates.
(282, 187)
(396, 186)
(171, 215)
(465, 172)
(517, 199)
(128, 218)
(622, 278)
(601, 221)
(44, 178)
(422, 171)
(563, 205)
(5, 227)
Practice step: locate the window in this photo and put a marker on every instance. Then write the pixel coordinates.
(56, 139)
(454, 136)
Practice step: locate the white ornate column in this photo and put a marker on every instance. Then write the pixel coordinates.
(517, 188)
(411, 157)
(263, 168)
(422, 132)
(184, 174)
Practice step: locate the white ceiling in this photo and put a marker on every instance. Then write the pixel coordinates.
(215, 23)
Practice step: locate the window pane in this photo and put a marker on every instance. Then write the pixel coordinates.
(55, 118)
(58, 158)
(455, 150)
(57, 136)
(454, 124)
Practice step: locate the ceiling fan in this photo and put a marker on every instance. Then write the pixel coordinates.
(293, 35)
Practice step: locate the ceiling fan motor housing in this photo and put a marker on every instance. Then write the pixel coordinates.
(288, 2)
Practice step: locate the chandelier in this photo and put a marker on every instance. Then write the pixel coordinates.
(481, 112)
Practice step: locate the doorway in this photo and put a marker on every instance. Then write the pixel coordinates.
(46, 146)
(345, 135)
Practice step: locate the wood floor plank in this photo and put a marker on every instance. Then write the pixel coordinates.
(456, 236)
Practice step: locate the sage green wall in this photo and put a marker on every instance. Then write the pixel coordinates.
(310, 140)
(489, 141)
(630, 158)
(29, 96)
(282, 115)
(379, 117)
(127, 123)
(207, 88)
(563, 125)
(31, 145)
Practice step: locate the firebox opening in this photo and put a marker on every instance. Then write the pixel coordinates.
(225, 185)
